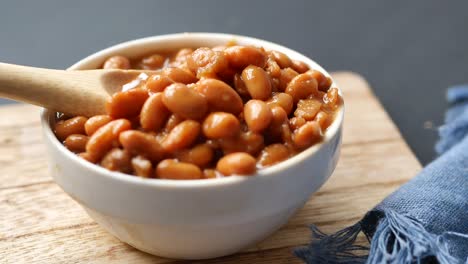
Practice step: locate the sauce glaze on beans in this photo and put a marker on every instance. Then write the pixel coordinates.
(206, 113)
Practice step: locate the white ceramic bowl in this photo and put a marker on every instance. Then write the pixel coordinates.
(192, 219)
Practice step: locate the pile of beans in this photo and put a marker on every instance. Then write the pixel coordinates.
(206, 113)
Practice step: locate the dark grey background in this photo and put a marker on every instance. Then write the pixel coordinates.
(409, 51)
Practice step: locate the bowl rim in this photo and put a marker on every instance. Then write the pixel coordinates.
(261, 174)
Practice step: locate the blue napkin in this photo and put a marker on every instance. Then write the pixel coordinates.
(425, 221)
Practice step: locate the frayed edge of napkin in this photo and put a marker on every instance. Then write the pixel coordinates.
(397, 239)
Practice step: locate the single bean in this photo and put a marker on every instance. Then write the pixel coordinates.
(172, 122)
(221, 125)
(276, 129)
(282, 59)
(209, 174)
(296, 122)
(243, 56)
(307, 135)
(105, 138)
(154, 113)
(179, 75)
(153, 62)
(126, 104)
(257, 115)
(249, 142)
(171, 169)
(257, 82)
(283, 100)
(206, 62)
(117, 160)
(200, 155)
(65, 128)
(76, 143)
(239, 163)
(220, 96)
(157, 83)
(332, 98)
(286, 75)
(86, 156)
(185, 102)
(272, 68)
(140, 143)
(142, 167)
(323, 119)
(117, 62)
(323, 81)
(239, 85)
(307, 109)
(182, 136)
(299, 66)
(273, 154)
(95, 122)
(301, 87)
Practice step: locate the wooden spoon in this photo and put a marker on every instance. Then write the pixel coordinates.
(71, 92)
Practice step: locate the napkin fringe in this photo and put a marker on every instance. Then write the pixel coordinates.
(397, 239)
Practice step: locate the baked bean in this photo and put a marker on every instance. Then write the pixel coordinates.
(239, 85)
(140, 143)
(209, 174)
(86, 156)
(273, 154)
(65, 128)
(239, 163)
(180, 76)
(332, 98)
(189, 118)
(105, 138)
(117, 160)
(220, 96)
(206, 62)
(76, 143)
(184, 101)
(299, 66)
(257, 82)
(172, 122)
(154, 113)
(286, 75)
(283, 100)
(153, 62)
(243, 56)
(257, 115)
(200, 155)
(272, 68)
(296, 122)
(221, 125)
(142, 167)
(282, 59)
(249, 142)
(308, 109)
(301, 87)
(157, 83)
(174, 170)
(307, 135)
(182, 54)
(323, 119)
(275, 130)
(95, 122)
(126, 104)
(182, 136)
(117, 62)
(323, 81)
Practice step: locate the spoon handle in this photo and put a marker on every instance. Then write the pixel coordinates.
(65, 91)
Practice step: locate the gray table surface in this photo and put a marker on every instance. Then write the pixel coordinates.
(409, 51)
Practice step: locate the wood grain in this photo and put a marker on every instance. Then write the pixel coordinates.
(41, 224)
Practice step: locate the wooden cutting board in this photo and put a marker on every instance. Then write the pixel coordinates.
(40, 223)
